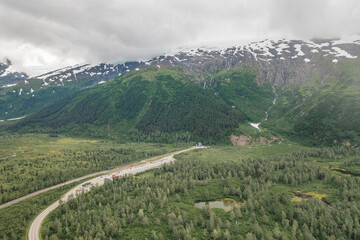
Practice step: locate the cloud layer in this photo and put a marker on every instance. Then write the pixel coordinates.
(42, 35)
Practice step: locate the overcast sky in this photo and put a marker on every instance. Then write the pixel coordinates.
(41, 35)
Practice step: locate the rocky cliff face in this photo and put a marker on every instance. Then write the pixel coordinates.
(281, 62)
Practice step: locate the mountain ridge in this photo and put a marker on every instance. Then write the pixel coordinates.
(283, 81)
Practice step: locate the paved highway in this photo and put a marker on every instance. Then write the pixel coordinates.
(65, 183)
(34, 231)
(49, 188)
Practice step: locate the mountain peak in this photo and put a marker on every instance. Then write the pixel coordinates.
(9, 75)
(8, 62)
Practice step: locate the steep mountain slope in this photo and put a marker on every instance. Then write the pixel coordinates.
(151, 104)
(27, 95)
(305, 90)
(239, 90)
(323, 110)
(278, 62)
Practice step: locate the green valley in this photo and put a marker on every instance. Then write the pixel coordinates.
(160, 204)
(269, 134)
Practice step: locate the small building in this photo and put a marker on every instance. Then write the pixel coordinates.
(86, 184)
(199, 144)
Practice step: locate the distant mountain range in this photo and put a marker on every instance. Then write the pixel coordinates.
(293, 88)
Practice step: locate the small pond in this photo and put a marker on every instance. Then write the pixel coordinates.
(225, 203)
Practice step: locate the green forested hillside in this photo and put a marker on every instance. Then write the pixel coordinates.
(31, 96)
(13, 105)
(150, 104)
(239, 89)
(321, 112)
(164, 105)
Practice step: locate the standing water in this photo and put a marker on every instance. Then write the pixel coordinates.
(226, 203)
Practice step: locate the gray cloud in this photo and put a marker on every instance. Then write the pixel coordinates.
(320, 18)
(41, 35)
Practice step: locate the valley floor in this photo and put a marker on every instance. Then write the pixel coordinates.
(144, 165)
(276, 189)
(279, 191)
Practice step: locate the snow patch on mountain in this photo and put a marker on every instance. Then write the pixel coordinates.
(9, 69)
(54, 73)
(280, 47)
(298, 49)
(256, 125)
(342, 53)
(9, 85)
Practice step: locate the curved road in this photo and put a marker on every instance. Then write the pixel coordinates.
(70, 181)
(50, 188)
(34, 231)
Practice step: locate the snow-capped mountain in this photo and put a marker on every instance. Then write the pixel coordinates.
(80, 76)
(9, 75)
(279, 62)
(85, 74)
